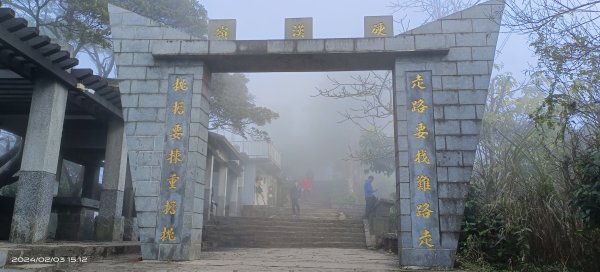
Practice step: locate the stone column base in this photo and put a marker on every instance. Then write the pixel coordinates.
(33, 205)
(426, 258)
(130, 229)
(109, 228)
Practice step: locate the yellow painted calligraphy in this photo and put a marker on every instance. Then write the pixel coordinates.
(167, 234)
(298, 31)
(222, 32)
(421, 132)
(418, 82)
(425, 239)
(177, 132)
(172, 180)
(180, 85)
(424, 210)
(174, 156)
(419, 106)
(178, 108)
(423, 183)
(379, 29)
(422, 157)
(170, 207)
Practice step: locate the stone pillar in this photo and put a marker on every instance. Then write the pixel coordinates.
(162, 99)
(37, 178)
(439, 104)
(222, 192)
(208, 189)
(90, 179)
(234, 196)
(109, 223)
(249, 176)
(130, 227)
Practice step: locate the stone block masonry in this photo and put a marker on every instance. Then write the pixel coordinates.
(454, 54)
(460, 84)
(170, 223)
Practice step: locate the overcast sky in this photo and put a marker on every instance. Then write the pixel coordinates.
(307, 126)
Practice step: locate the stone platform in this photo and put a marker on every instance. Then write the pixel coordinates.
(55, 255)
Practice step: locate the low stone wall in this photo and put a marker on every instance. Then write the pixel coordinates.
(381, 225)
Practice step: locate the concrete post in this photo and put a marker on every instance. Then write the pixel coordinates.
(37, 178)
(109, 223)
(222, 194)
(208, 192)
(130, 232)
(248, 192)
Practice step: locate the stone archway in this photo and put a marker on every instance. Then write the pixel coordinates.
(441, 77)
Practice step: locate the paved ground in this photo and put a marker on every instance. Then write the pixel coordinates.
(258, 259)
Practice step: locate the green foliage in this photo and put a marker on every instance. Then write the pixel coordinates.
(377, 153)
(488, 236)
(520, 210)
(586, 198)
(233, 108)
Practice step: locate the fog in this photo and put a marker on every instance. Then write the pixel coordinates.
(308, 132)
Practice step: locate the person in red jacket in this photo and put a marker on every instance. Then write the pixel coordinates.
(307, 184)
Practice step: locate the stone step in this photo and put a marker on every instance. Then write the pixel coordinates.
(269, 234)
(286, 220)
(284, 239)
(270, 244)
(288, 227)
(284, 229)
(284, 232)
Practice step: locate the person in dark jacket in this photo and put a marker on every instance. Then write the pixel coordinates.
(370, 198)
(295, 193)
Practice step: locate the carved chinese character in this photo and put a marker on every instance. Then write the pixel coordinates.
(423, 183)
(419, 106)
(425, 239)
(298, 31)
(167, 234)
(418, 83)
(174, 156)
(180, 85)
(222, 32)
(172, 180)
(421, 132)
(177, 132)
(422, 157)
(178, 108)
(170, 207)
(424, 210)
(379, 29)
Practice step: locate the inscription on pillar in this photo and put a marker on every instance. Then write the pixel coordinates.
(174, 164)
(422, 161)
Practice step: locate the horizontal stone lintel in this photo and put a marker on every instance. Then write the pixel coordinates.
(294, 55)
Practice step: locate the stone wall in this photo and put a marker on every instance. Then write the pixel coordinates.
(460, 82)
(144, 83)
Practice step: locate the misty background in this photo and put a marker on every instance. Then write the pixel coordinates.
(308, 132)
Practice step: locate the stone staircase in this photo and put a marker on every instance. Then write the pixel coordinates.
(288, 232)
(308, 211)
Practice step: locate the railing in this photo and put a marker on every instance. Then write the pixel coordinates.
(259, 150)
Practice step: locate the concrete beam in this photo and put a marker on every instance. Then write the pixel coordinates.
(262, 60)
